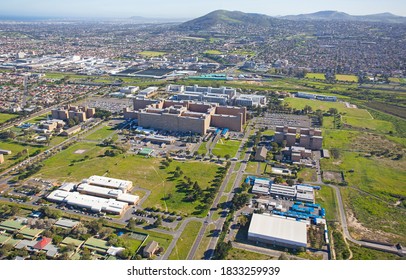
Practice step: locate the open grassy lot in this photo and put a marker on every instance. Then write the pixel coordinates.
(213, 52)
(15, 148)
(347, 78)
(5, 117)
(308, 174)
(340, 139)
(144, 172)
(226, 147)
(300, 103)
(317, 76)
(202, 148)
(373, 125)
(327, 199)
(185, 241)
(362, 253)
(238, 254)
(151, 53)
(102, 132)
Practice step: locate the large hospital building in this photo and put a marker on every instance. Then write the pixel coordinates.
(186, 116)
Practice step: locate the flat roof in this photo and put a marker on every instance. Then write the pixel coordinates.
(11, 225)
(66, 223)
(70, 240)
(278, 229)
(93, 203)
(108, 182)
(30, 233)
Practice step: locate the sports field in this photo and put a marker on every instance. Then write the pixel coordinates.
(151, 53)
(316, 76)
(347, 78)
(226, 147)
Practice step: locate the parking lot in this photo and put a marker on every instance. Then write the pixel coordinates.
(272, 120)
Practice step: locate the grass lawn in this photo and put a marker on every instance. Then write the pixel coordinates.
(251, 167)
(328, 122)
(186, 240)
(151, 53)
(308, 174)
(213, 52)
(362, 253)
(202, 148)
(317, 76)
(238, 254)
(230, 183)
(199, 255)
(101, 133)
(268, 132)
(144, 172)
(226, 147)
(375, 125)
(340, 139)
(300, 103)
(347, 78)
(327, 199)
(5, 117)
(15, 148)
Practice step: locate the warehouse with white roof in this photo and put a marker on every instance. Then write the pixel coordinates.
(107, 193)
(277, 230)
(93, 203)
(109, 183)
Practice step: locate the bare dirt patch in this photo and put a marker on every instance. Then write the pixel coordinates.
(79, 152)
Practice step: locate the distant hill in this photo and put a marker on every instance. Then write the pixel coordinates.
(340, 16)
(227, 18)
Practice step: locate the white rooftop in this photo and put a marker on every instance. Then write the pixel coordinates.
(93, 203)
(109, 182)
(106, 192)
(281, 230)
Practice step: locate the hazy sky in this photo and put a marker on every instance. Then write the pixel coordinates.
(191, 8)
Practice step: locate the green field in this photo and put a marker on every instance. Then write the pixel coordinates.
(238, 254)
(340, 139)
(362, 253)
(15, 148)
(347, 78)
(398, 80)
(226, 147)
(373, 125)
(213, 52)
(317, 76)
(327, 199)
(144, 172)
(300, 103)
(308, 174)
(186, 240)
(5, 117)
(202, 148)
(151, 53)
(101, 133)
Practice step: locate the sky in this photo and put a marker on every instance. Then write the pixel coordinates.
(191, 8)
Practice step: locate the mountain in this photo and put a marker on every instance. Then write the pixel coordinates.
(340, 16)
(227, 18)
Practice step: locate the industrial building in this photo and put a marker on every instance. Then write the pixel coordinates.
(277, 230)
(304, 137)
(316, 96)
(110, 183)
(107, 193)
(187, 116)
(222, 95)
(92, 203)
(148, 92)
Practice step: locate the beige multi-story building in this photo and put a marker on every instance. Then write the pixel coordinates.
(308, 138)
(68, 112)
(187, 116)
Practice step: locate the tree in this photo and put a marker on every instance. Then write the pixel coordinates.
(157, 222)
(239, 200)
(277, 180)
(86, 254)
(227, 156)
(283, 256)
(131, 224)
(307, 109)
(57, 239)
(290, 182)
(222, 250)
(333, 111)
(300, 180)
